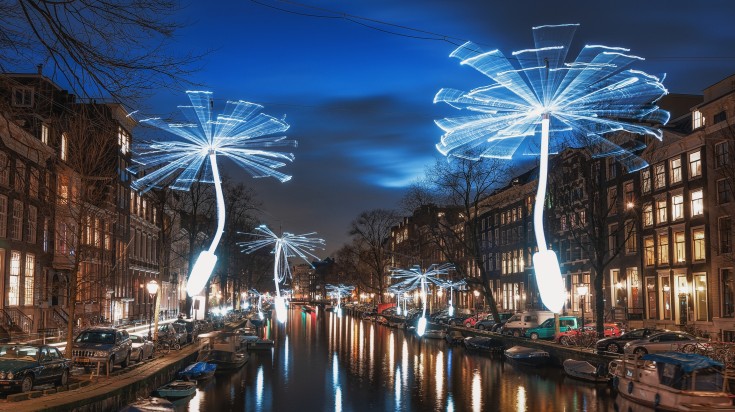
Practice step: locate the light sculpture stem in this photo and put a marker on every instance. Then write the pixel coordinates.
(545, 264)
(278, 300)
(421, 327)
(204, 265)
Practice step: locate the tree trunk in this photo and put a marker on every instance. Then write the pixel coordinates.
(599, 312)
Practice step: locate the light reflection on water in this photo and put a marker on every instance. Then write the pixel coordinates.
(325, 363)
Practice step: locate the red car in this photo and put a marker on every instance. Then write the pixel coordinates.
(610, 329)
(472, 320)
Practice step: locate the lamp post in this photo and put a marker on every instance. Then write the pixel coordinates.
(582, 292)
(152, 287)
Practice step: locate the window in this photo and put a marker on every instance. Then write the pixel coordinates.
(612, 169)
(646, 181)
(675, 170)
(719, 117)
(697, 203)
(661, 211)
(725, 230)
(660, 176)
(63, 195)
(33, 183)
(23, 96)
(612, 238)
(46, 235)
(722, 154)
(695, 164)
(728, 293)
(19, 181)
(3, 216)
(630, 240)
(612, 200)
(4, 169)
(665, 297)
(663, 249)
(123, 140)
(16, 228)
(700, 296)
(651, 297)
(697, 119)
(628, 194)
(14, 278)
(63, 148)
(44, 134)
(680, 247)
(647, 215)
(698, 246)
(32, 224)
(649, 251)
(677, 207)
(723, 191)
(28, 283)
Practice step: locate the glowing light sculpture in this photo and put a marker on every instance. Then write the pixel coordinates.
(451, 286)
(414, 278)
(284, 247)
(339, 291)
(541, 94)
(240, 134)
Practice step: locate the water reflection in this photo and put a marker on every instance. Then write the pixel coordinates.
(322, 363)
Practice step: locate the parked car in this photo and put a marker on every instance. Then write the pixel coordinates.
(106, 346)
(518, 323)
(142, 348)
(205, 325)
(24, 366)
(488, 322)
(439, 317)
(666, 342)
(590, 331)
(458, 318)
(615, 344)
(173, 331)
(547, 329)
(192, 329)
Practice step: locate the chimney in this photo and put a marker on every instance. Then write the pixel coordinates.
(40, 69)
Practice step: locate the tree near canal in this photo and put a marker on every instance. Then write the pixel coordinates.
(370, 249)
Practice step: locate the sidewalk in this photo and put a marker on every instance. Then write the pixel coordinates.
(109, 393)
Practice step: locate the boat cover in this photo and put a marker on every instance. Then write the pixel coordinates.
(688, 362)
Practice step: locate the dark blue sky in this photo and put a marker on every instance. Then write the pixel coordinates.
(359, 101)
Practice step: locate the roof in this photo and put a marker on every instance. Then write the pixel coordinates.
(688, 362)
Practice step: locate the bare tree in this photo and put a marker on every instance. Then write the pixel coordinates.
(371, 236)
(102, 48)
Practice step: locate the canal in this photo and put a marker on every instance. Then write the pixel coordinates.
(324, 363)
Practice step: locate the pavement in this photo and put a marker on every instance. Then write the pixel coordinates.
(91, 387)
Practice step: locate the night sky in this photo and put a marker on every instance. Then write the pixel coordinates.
(359, 100)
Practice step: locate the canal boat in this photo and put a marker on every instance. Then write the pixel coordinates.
(483, 344)
(434, 334)
(673, 381)
(257, 343)
(152, 404)
(177, 389)
(528, 356)
(198, 371)
(585, 371)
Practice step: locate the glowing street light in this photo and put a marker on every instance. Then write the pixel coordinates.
(578, 101)
(152, 288)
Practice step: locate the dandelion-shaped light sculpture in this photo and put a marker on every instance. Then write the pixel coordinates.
(578, 102)
(459, 284)
(339, 291)
(414, 278)
(240, 133)
(254, 292)
(284, 246)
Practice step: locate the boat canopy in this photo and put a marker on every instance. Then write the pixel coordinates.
(688, 362)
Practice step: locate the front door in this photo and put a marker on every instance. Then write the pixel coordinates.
(682, 291)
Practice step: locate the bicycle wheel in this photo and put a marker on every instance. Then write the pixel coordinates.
(163, 348)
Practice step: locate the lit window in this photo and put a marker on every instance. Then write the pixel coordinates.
(646, 181)
(695, 164)
(648, 214)
(663, 249)
(675, 170)
(677, 207)
(660, 176)
(698, 244)
(661, 211)
(63, 148)
(123, 140)
(28, 281)
(44, 134)
(697, 203)
(648, 251)
(14, 279)
(700, 296)
(680, 247)
(697, 119)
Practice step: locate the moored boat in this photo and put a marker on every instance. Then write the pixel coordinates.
(177, 389)
(673, 381)
(483, 344)
(527, 356)
(584, 370)
(198, 371)
(228, 351)
(152, 404)
(434, 334)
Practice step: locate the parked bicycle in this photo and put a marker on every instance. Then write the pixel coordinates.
(164, 345)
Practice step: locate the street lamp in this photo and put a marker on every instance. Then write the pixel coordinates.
(582, 292)
(152, 287)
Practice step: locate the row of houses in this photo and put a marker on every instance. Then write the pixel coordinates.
(66, 206)
(661, 236)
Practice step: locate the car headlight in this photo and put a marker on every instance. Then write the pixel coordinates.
(100, 354)
(10, 375)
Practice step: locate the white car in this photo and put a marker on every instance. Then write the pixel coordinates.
(666, 342)
(142, 348)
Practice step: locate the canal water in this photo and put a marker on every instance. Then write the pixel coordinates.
(324, 363)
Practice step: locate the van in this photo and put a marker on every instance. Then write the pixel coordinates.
(518, 323)
(547, 329)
